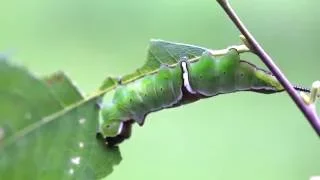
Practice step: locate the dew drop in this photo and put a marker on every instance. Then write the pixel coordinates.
(82, 120)
(81, 144)
(76, 160)
(71, 171)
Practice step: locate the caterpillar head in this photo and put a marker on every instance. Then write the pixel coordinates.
(115, 132)
(112, 128)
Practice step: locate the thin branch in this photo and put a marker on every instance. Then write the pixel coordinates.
(308, 111)
(240, 48)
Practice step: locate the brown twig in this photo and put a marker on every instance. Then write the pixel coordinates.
(308, 111)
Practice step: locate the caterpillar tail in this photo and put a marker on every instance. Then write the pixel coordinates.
(301, 88)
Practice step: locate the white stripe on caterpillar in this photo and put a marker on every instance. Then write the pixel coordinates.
(185, 76)
(120, 128)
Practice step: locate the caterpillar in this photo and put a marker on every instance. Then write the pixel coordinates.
(177, 74)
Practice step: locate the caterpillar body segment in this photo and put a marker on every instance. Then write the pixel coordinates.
(175, 85)
(210, 76)
(133, 101)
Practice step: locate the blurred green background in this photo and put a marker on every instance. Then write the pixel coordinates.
(236, 136)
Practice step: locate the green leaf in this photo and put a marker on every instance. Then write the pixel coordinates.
(63, 88)
(48, 131)
(24, 99)
(164, 53)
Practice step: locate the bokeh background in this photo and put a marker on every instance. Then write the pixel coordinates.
(236, 136)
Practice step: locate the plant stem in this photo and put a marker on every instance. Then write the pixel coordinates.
(308, 111)
(240, 48)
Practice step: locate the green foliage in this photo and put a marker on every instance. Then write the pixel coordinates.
(162, 52)
(48, 130)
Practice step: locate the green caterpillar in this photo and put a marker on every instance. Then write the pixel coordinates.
(174, 75)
